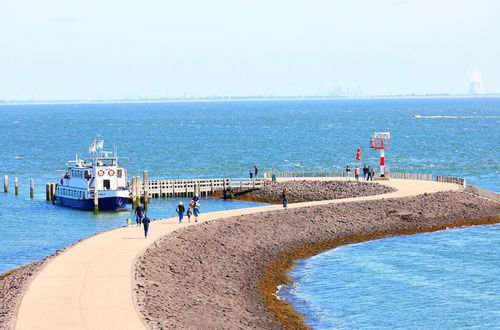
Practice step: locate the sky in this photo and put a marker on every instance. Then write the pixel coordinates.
(107, 49)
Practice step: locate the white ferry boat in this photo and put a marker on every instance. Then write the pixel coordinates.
(76, 188)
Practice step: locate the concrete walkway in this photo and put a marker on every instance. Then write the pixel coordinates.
(90, 286)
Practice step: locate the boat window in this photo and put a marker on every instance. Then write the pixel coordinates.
(119, 173)
(87, 175)
(106, 184)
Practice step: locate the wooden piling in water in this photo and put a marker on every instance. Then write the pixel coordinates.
(5, 183)
(133, 194)
(146, 190)
(32, 188)
(47, 191)
(96, 199)
(136, 192)
(53, 187)
(16, 186)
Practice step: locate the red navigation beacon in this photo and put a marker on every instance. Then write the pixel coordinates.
(381, 141)
(358, 154)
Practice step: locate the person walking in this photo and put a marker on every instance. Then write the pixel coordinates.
(284, 199)
(347, 171)
(365, 171)
(180, 211)
(189, 212)
(250, 174)
(256, 171)
(368, 173)
(145, 223)
(372, 173)
(195, 205)
(196, 211)
(356, 173)
(139, 214)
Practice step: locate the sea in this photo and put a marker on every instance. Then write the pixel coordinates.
(442, 136)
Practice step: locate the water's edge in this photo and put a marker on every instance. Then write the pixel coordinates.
(275, 274)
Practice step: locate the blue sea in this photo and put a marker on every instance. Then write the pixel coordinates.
(455, 137)
(442, 280)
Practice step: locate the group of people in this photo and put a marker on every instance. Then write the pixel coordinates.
(253, 173)
(142, 219)
(193, 209)
(368, 172)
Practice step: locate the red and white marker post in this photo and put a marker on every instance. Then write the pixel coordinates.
(381, 141)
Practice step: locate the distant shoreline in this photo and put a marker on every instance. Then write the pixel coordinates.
(249, 99)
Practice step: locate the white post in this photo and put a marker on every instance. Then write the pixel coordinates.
(382, 162)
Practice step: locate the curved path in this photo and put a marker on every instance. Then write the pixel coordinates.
(90, 286)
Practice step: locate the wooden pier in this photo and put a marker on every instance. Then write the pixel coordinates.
(177, 188)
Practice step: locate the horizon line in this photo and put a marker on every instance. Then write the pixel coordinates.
(240, 98)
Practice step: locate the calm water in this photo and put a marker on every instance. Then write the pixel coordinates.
(442, 280)
(457, 137)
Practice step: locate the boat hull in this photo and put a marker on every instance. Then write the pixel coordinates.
(105, 204)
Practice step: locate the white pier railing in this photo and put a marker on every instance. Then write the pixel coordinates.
(394, 175)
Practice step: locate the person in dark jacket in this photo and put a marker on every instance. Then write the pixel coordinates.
(139, 214)
(365, 172)
(180, 211)
(368, 173)
(284, 199)
(145, 222)
(250, 174)
(256, 171)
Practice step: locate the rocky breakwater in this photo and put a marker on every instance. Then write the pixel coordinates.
(223, 274)
(307, 190)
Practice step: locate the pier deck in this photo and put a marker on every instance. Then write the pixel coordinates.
(90, 285)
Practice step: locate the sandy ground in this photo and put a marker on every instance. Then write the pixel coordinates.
(207, 276)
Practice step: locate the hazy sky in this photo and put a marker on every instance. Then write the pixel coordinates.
(67, 49)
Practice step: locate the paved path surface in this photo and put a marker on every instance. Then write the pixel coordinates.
(90, 286)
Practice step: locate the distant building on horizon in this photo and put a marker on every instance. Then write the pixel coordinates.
(476, 83)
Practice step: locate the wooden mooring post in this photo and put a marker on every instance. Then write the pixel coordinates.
(96, 199)
(53, 187)
(146, 189)
(16, 186)
(136, 192)
(132, 186)
(50, 191)
(32, 188)
(5, 183)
